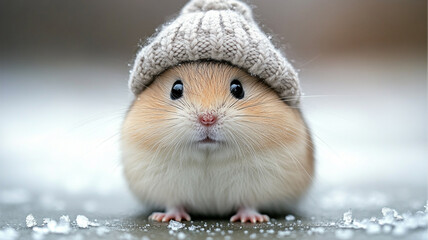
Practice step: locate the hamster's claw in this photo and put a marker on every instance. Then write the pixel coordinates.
(176, 214)
(249, 215)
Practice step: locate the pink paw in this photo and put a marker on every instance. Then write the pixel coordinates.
(176, 214)
(249, 215)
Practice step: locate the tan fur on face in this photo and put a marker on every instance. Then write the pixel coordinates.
(265, 156)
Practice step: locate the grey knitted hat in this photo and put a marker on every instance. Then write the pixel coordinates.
(222, 30)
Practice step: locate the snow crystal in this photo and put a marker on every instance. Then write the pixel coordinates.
(51, 226)
(389, 216)
(174, 225)
(8, 234)
(347, 217)
(390, 222)
(181, 235)
(344, 233)
(64, 218)
(82, 221)
(30, 221)
(290, 218)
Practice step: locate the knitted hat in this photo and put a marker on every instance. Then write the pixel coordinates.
(222, 30)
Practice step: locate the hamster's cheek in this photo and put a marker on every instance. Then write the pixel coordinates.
(263, 121)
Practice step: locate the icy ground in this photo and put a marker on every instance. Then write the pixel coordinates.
(60, 175)
(65, 218)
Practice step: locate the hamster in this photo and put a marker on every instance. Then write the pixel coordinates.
(207, 138)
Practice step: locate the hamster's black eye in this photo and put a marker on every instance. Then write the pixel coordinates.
(177, 90)
(236, 89)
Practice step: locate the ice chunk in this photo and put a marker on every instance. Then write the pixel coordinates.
(64, 219)
(290, 218)
(253, 236)
(8, 234)
(389, 216)
(82, 221)
(52, 226)
(344, 233)
(30, 221)
(174, 225)
(192, 228)
(347, 217)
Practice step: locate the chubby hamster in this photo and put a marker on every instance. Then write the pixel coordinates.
(208, 138)
(215, 128)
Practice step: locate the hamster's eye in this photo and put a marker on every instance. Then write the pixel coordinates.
(177, 90)
(236, 89)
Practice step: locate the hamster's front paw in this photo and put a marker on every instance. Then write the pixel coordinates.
(176, 214)
(249, 215)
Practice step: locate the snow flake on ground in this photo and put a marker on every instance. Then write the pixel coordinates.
(83, 222)
(51, 226)
(30, 221)
(390, 222)
(174, 225)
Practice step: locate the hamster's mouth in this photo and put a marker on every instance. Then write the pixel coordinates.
(207, 140)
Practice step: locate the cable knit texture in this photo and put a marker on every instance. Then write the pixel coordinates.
(221, 30)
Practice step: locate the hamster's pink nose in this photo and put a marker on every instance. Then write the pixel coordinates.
(207, 119)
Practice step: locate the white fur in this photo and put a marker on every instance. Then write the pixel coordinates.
(209, 185)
